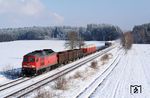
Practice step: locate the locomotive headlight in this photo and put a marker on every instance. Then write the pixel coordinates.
(29, 66)
(25, 65)
(32, 66)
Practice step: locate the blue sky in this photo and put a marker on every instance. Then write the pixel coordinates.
(124, 13)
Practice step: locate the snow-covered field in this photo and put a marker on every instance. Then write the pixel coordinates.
(11, 53)
(133, 69)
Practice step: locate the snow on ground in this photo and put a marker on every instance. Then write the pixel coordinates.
(12, 52)
(133, 69)
(76, 84)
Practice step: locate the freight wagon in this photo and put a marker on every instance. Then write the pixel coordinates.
(88, 49)
(65, 57)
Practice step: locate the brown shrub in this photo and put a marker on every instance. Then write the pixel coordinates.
(106, 58)
(94, 65)
(42, 93)
(78, 74)
(127, 41)
(61, 83)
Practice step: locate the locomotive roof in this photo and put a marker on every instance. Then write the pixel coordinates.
(40, 52)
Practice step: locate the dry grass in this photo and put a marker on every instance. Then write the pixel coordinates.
(10, 72)
(78, 74)
(42, 93)
(105, 58)
(94, 65)
(61, 83)
(89, 72)
(110, 55)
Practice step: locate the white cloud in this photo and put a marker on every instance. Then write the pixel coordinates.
(32, 7)
(58, 19)
(27, 7)
(28, 10)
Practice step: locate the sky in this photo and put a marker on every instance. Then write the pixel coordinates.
(25, 13)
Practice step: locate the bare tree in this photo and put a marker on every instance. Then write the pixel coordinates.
(127, 40)
(74, 41)
(80, 42)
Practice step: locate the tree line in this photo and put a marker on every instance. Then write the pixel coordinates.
(141, 34)
(98, 32)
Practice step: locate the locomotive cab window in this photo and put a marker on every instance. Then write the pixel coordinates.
(25, 59)
(31, 59)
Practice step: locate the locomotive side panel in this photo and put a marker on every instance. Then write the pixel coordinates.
(50, 60)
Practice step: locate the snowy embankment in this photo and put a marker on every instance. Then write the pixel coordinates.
(12, 52)
(133, 69)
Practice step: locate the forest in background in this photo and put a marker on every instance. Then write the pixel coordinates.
(141, 34)
(97, 32)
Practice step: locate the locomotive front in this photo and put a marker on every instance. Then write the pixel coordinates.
(39, 61)
(29, 65)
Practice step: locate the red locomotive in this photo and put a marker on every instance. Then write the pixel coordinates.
(39, 61)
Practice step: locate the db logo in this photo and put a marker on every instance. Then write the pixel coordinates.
(134, 89)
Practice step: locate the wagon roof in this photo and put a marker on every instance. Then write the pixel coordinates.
(88, 46)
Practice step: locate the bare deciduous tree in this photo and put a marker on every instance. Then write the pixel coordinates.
(127, 40)
(80, 42)
(74, 41)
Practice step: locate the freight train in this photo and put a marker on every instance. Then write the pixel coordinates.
(39, 61)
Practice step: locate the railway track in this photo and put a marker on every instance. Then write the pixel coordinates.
(13, 83)
(10, 82)
(89, 90)
(26, 87)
